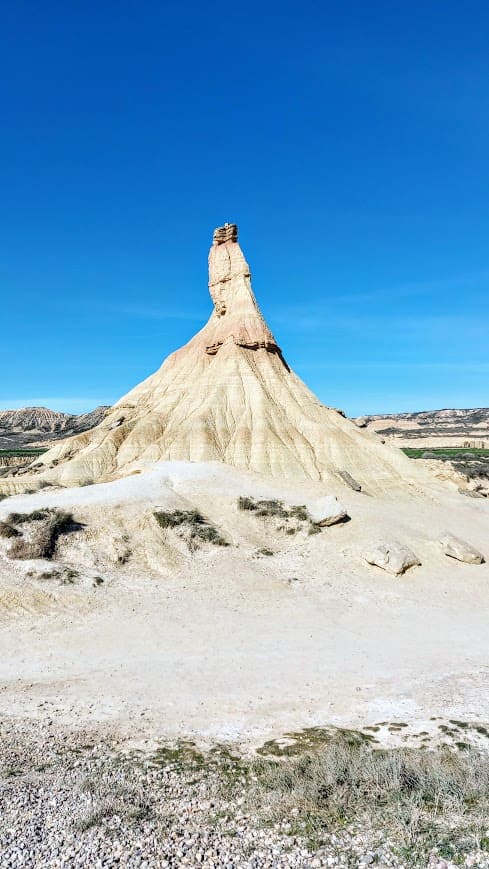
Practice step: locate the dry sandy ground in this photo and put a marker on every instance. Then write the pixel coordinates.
(229, 644)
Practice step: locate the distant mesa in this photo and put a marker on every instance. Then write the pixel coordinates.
(38, 426)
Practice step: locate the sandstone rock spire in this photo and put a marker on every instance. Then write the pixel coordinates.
(229, 396)
(236, 316)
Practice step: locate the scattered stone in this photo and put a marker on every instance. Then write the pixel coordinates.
(327, 511)
(471, 493)
(393, 557)
(454, 547)
(350, 481)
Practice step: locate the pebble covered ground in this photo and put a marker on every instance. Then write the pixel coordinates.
(72, 800)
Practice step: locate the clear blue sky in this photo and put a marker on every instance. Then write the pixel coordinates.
(349, 141)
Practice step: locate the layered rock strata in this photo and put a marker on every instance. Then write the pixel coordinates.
(228, 395)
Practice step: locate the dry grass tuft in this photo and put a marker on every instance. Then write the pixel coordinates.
(191, 526)
(8, 531)
(46, 526)
(277, 510)
(417, 796)
(108, 793)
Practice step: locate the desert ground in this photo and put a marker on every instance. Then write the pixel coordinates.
(135, 653)
(276, 631)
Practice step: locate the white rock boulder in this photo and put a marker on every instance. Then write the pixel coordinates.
(327, 510)
(454, 547)
(393, 557)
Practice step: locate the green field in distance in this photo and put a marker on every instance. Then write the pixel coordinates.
(418, 452)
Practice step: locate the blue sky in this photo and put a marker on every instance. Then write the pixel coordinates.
(349, 141)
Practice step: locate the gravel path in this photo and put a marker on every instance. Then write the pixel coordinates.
(72, 800)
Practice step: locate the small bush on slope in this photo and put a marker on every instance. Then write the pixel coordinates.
(8, 531)
(275, 508)
(193, 526)
(49, 526)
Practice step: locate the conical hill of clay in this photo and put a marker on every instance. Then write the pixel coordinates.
(228, 395)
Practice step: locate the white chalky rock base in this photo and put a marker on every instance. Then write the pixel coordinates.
(327, 510)
(454, 547)
(393, 557)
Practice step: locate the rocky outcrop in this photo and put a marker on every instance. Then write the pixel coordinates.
(236, 315)
(228, 395)
(470, 426)
(456, 548)
(393, 557)
(327, 511)
(33, 426)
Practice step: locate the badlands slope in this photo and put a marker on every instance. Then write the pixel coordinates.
(433, 428)
(130, 627)
(37, 426)
(228, 395)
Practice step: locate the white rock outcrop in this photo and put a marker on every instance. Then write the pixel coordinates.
(327, 511)
(454, 547)
(393, 557)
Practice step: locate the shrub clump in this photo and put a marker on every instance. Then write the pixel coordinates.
(47, 526)
(8, 531)
(35, 516)
(419, 796)
(275, 509)
(192, 527)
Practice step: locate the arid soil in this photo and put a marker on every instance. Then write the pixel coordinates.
(280, 629)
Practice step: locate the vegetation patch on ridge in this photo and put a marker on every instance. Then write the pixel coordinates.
(39, 539)
(294, 517)
(191, 526)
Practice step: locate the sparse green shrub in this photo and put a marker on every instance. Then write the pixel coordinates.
(300, 512)
(35, 516)
(8, 531)
(68, 578)
(48, 574)
(49, 526)
(246, 503)
(265, 552)
(192, 525)
(275, 509)
(108, 793)
(271, 508)
(123, 557)
(418, 796)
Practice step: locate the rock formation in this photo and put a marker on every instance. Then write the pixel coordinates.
(457, 548)
(393, 557)
(228, 395)
(33, 426)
